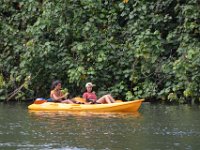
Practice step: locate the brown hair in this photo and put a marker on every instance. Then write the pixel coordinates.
(55, 83)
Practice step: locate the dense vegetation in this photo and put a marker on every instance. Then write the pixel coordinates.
(133, 49)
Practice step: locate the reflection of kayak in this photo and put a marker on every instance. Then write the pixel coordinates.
(130, 106)
(60, 113)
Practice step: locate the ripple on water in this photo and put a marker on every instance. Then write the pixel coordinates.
(28, 146)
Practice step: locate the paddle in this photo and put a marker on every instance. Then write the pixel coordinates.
(78, 99)
(118, 101)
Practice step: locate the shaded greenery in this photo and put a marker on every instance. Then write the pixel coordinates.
(133, 49)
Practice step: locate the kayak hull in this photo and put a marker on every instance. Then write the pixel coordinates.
(130, 106)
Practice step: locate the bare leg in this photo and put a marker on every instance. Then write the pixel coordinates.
(68, 101)
(111, 98)
(104, 99)
(100, 100)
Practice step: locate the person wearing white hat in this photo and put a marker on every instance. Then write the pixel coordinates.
(91, 97)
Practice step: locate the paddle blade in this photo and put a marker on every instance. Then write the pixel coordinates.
(79, 99)
(118, 101)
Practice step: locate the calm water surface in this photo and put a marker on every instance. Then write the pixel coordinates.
(155, 126)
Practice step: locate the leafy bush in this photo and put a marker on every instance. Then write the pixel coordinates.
(132, 49)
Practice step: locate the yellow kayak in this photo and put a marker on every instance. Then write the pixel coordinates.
(130, 106)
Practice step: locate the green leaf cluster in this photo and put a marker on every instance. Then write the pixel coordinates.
(137, 49)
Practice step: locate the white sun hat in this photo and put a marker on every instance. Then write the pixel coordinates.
(89, 84)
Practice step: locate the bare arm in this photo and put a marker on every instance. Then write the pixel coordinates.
(58, 98)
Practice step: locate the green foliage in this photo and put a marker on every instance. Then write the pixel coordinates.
(132, 49)
(2, 86)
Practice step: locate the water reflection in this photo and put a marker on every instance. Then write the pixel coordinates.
(153, 127)
(83, 129)
(46, 114)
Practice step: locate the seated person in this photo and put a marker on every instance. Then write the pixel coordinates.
(91, 97)
(57, 96)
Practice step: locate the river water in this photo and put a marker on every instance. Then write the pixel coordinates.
(153, 127)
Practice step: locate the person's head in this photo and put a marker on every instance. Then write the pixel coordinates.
(56, 85)
(89, 86)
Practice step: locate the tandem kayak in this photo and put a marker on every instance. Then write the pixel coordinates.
(130, 106)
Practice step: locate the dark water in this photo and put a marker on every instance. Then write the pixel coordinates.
(157, 127)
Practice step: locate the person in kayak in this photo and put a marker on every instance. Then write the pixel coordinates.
(57, 96)
(91, 97)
